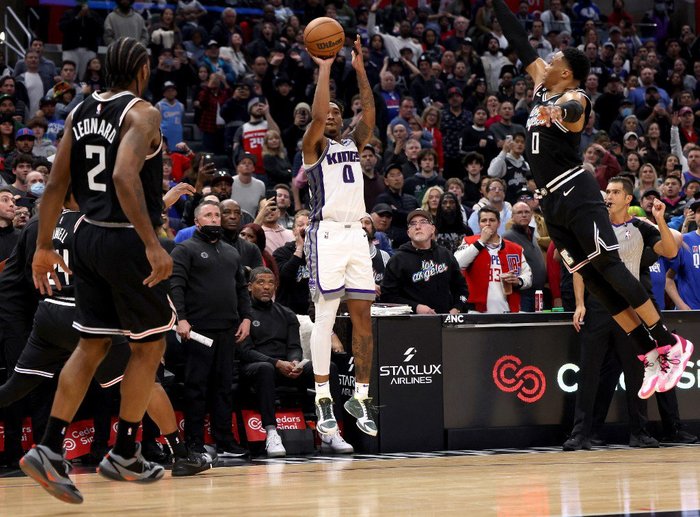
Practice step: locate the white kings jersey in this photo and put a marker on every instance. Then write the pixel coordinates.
(336, 184)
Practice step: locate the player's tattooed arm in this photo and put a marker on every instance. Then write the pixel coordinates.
(363, 131)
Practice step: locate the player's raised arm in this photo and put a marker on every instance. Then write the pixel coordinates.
(365, 127)
(313, 143)
(518, 38)
(140, 133)
(45, 257)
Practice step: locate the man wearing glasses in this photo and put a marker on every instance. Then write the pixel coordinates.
(423, 274)
(496, 199)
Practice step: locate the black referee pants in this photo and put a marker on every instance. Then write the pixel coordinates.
(208, 382)
(602, 341)
(264, 378)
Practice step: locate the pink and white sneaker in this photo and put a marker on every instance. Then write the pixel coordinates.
(651, 373)
(672, 363)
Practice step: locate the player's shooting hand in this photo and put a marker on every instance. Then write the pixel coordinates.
(357, 60)
(161, 265)
(658, 209)
(44, 270)
(322, 62)
(183, 329)
(579, 315)
(243, 331)
(172, 195)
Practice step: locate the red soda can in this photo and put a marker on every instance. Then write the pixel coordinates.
(539, 301)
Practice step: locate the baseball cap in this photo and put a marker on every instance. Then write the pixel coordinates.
(25, 132)
(424, 58)
(6, 119)
(467, 41)
(652, 192)
(525, 193)
(282, 79)
(169, 84)
(382, 208)
(395, 61)
(419, 212)
(213, 43)
(47, 100)
(248, 156)
(454, 91)
(613, 78)
(255, 100)
(685, 109)
(221, 176)
(614, 28)
(630, 134)
(6, 96)
(609, 44)
(370, 147)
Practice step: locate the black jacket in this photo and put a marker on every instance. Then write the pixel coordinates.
(9, 236)
(249, 252)
(208, 285)
(430, 277)
(293, 290)
(274, 335)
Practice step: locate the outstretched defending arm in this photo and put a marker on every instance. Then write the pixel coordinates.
(517, 36)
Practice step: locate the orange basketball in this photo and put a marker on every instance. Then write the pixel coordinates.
(324, 37)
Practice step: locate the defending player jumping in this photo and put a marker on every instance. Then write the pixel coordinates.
(111, 156)
(574, 211)
(336, 244)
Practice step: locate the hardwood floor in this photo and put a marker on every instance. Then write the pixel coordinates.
(533, 482)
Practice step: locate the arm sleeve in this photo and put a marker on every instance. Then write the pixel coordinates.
(250, 355)
(465, 255)
(497, 168)
(391, 285)
(178, 280)
(244, 307)
(458, 286)
(517, 36)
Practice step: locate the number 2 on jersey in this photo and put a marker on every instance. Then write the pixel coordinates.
(535, 149)
(90, 152)
(348, 176)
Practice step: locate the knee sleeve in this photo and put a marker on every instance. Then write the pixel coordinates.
(321, 334)
(615, 286)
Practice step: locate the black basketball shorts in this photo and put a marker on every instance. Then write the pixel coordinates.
(110, 266)
(578, 221)
(53, 340)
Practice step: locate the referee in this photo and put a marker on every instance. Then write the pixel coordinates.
(600, 337)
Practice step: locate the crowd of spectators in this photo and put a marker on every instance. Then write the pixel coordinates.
(451, 102)
(235, 90)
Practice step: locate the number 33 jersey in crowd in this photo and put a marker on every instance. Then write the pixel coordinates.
(336, 184)
(96, 133)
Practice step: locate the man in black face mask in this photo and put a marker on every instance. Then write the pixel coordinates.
(210, 294)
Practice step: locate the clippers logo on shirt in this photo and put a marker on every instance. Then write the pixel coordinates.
(536, 118)
(513, 263)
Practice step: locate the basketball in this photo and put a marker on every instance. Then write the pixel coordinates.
(324, 37)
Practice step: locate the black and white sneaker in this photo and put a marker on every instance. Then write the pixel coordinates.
(50, 470)
(194, 463)
(364, 412)
(137, 468)
(231, 450)
(325, 423)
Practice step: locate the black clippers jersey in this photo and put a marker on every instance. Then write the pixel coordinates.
(554, 149)
(96, 139)
(63, 244)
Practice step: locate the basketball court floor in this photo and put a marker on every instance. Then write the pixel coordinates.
(542, 481)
